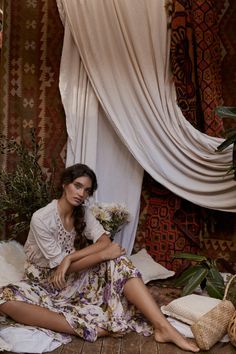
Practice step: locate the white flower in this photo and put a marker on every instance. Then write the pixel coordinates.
(111, 215)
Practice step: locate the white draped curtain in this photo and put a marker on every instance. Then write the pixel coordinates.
(121, 110)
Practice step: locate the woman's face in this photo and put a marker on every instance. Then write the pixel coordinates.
(77, 191)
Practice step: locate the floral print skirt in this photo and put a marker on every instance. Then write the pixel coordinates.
(91, 299)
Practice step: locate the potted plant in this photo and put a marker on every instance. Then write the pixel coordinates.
(24, 189)
(204, 273)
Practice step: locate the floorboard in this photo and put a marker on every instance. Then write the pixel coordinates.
(148, 345)
(131, 343)
(74, 347)
(111, 345)
(92, 348)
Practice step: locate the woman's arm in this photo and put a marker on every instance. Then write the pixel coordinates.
(67, 266)
(112, 251)
(99, 245)
(61, 270)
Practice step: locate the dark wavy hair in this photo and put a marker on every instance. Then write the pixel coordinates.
(67, 177)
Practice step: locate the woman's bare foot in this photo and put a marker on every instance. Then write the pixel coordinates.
(170, 334)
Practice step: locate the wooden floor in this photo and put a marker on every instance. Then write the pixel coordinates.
(133, 343)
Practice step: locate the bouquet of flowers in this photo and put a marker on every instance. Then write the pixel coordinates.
(112, 216)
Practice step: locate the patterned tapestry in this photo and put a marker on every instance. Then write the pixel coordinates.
(203, 63)
(195, 58)
(167, 225)
(30, 61)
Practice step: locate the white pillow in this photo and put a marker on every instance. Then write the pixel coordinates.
(189, 308)
(12, 258)
(149, 269)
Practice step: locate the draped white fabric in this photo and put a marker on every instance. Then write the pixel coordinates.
(92, 140)
(124, 46)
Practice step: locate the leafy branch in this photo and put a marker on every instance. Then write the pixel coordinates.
(25, 188)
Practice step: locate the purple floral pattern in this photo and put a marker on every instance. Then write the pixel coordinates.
(91, 299)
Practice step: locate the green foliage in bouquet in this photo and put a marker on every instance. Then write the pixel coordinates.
(25, 188)
(203, 273)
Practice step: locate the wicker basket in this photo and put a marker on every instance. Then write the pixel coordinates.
(232, 323)
(232, 330)
(213, 325)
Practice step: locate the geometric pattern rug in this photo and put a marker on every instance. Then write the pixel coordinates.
(30, 98)
(30, 63)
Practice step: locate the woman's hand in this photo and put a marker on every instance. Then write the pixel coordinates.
(58, 278)
(114, 250)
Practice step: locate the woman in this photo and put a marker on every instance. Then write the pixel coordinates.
(91, 292)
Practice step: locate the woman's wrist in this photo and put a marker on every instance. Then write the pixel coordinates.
(103, 255)
(69, 257)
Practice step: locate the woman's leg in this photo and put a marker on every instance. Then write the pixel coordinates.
(137, 293)
(37, 316)
(34, 315)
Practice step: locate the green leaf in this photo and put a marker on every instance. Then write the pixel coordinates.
(215, 274)
(187, 275)
(190, 257)
(226, 112)
(195, 281)
(215, 284)
(227, 142)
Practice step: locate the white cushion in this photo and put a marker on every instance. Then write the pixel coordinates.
(149, 269)
(189, 308)
(12, 258)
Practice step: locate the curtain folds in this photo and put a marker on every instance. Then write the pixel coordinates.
(91, 140)
(125, 51)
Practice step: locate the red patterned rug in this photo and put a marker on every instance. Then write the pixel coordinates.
(30, 98)
(166, 226)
